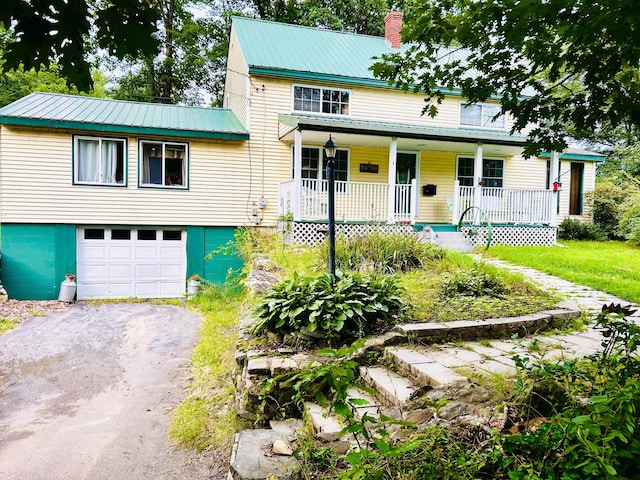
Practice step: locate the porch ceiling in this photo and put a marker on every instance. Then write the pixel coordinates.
(349, 132)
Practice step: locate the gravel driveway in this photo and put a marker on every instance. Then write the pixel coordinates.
(86, 394)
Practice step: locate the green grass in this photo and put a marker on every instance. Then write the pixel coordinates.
(207, 417)
(612, 267)
(6, 324)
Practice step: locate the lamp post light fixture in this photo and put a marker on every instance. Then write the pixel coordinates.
(330, 152)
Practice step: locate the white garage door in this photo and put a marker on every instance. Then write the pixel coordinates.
(131, 263)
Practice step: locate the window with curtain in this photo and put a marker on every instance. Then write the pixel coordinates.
(99, 161)
(163, 164)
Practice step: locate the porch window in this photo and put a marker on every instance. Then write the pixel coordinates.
(321, 100)
(313, 169)
(481, 115)
(99, 161)
(492, 171)
(163, 164)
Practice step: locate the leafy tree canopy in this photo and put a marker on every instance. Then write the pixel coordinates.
(46, 31)
(564, 66)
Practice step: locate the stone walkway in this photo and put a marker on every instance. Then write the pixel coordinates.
(485, 348)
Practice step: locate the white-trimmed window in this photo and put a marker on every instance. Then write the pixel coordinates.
(321, 100)
(492, 171)
(163, 164)
(99, 161)
(481, 115)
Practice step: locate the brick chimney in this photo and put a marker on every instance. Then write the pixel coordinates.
(392, 27)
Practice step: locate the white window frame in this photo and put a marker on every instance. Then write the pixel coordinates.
(164, 145)
(487, 111)
(100, 140)
(503, 160)
(322, 166)
(320, 101)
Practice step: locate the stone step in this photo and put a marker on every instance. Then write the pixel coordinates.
(423, 369)
(457, 241)
(488, 328)
(253, 458)
(392, 389)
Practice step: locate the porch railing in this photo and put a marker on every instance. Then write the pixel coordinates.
(354, 201)
(508, 205)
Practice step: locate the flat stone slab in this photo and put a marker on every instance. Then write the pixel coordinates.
(425, 368)
(253, 459)
(323, 422)
(394, 389)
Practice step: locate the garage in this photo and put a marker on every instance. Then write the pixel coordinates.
(131, 263)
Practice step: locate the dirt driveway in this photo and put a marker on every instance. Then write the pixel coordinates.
(86, 394)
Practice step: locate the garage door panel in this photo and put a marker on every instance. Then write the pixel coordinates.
(124, 268)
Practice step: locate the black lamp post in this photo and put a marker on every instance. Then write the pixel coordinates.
(330, 152)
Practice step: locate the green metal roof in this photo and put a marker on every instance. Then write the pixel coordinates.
(291, 50)
(401, 130)
(118, 116)
(578, 154)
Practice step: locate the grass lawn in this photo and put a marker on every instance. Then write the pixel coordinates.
(612, 267)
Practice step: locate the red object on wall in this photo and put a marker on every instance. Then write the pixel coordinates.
(557, 186)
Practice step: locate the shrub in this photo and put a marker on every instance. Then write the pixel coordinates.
(572, 229)
(474, 282)
(384, 253)
(629, 224)
(330, 308)
(605, 202)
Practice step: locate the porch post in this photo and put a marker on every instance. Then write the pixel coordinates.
(477, 177)
(297, 176)
(553, 177)
(455, 210)
(393, 153)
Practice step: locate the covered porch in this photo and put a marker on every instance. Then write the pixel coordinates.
(429, 192)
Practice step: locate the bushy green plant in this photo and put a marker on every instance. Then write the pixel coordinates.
(384, 253)
(629, 224)
(594, 431)
(605, 202)
(331, 309)
(573, 229)
(475, 282)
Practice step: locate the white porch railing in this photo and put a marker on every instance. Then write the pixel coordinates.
(354, 201)
(508, 205)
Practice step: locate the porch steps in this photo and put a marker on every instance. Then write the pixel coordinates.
(453, 241)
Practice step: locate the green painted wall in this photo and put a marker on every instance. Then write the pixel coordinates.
(203, 240)
(35, 259)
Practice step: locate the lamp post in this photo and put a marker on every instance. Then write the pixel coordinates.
(330, 152)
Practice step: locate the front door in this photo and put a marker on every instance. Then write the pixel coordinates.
(575, 192)
(405, 172)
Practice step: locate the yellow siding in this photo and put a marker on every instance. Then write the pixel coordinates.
(589, 181)
(437, 168)
(237, 81)
(521, 173)
(36, 185)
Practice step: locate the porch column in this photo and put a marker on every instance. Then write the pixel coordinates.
(553, 177)
(393, 154)
(297, 176)
(477, 177)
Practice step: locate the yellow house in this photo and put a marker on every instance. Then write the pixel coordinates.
(129, 197)
(295, 87)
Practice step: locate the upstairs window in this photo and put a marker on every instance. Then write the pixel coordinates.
(492, 171)
(99, 161)
(321, 100)
(481, 115)
(164, 164)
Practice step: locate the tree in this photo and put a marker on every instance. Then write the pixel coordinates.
(563, 66)
(58, 31)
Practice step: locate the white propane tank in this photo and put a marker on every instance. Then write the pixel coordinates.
(68, 289)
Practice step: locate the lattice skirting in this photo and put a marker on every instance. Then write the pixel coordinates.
(513, 235)
(315, 233)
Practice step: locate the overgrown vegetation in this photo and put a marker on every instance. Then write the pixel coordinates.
(587, 413)
(6, 324)
(207, 417)
(573, 229)
(328, 308)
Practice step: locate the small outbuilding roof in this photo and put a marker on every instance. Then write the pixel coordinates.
(118, 116)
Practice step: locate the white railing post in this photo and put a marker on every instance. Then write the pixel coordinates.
(413, 201)
(455, 210)
(297, 176)
(393, 152)
(554, 177)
